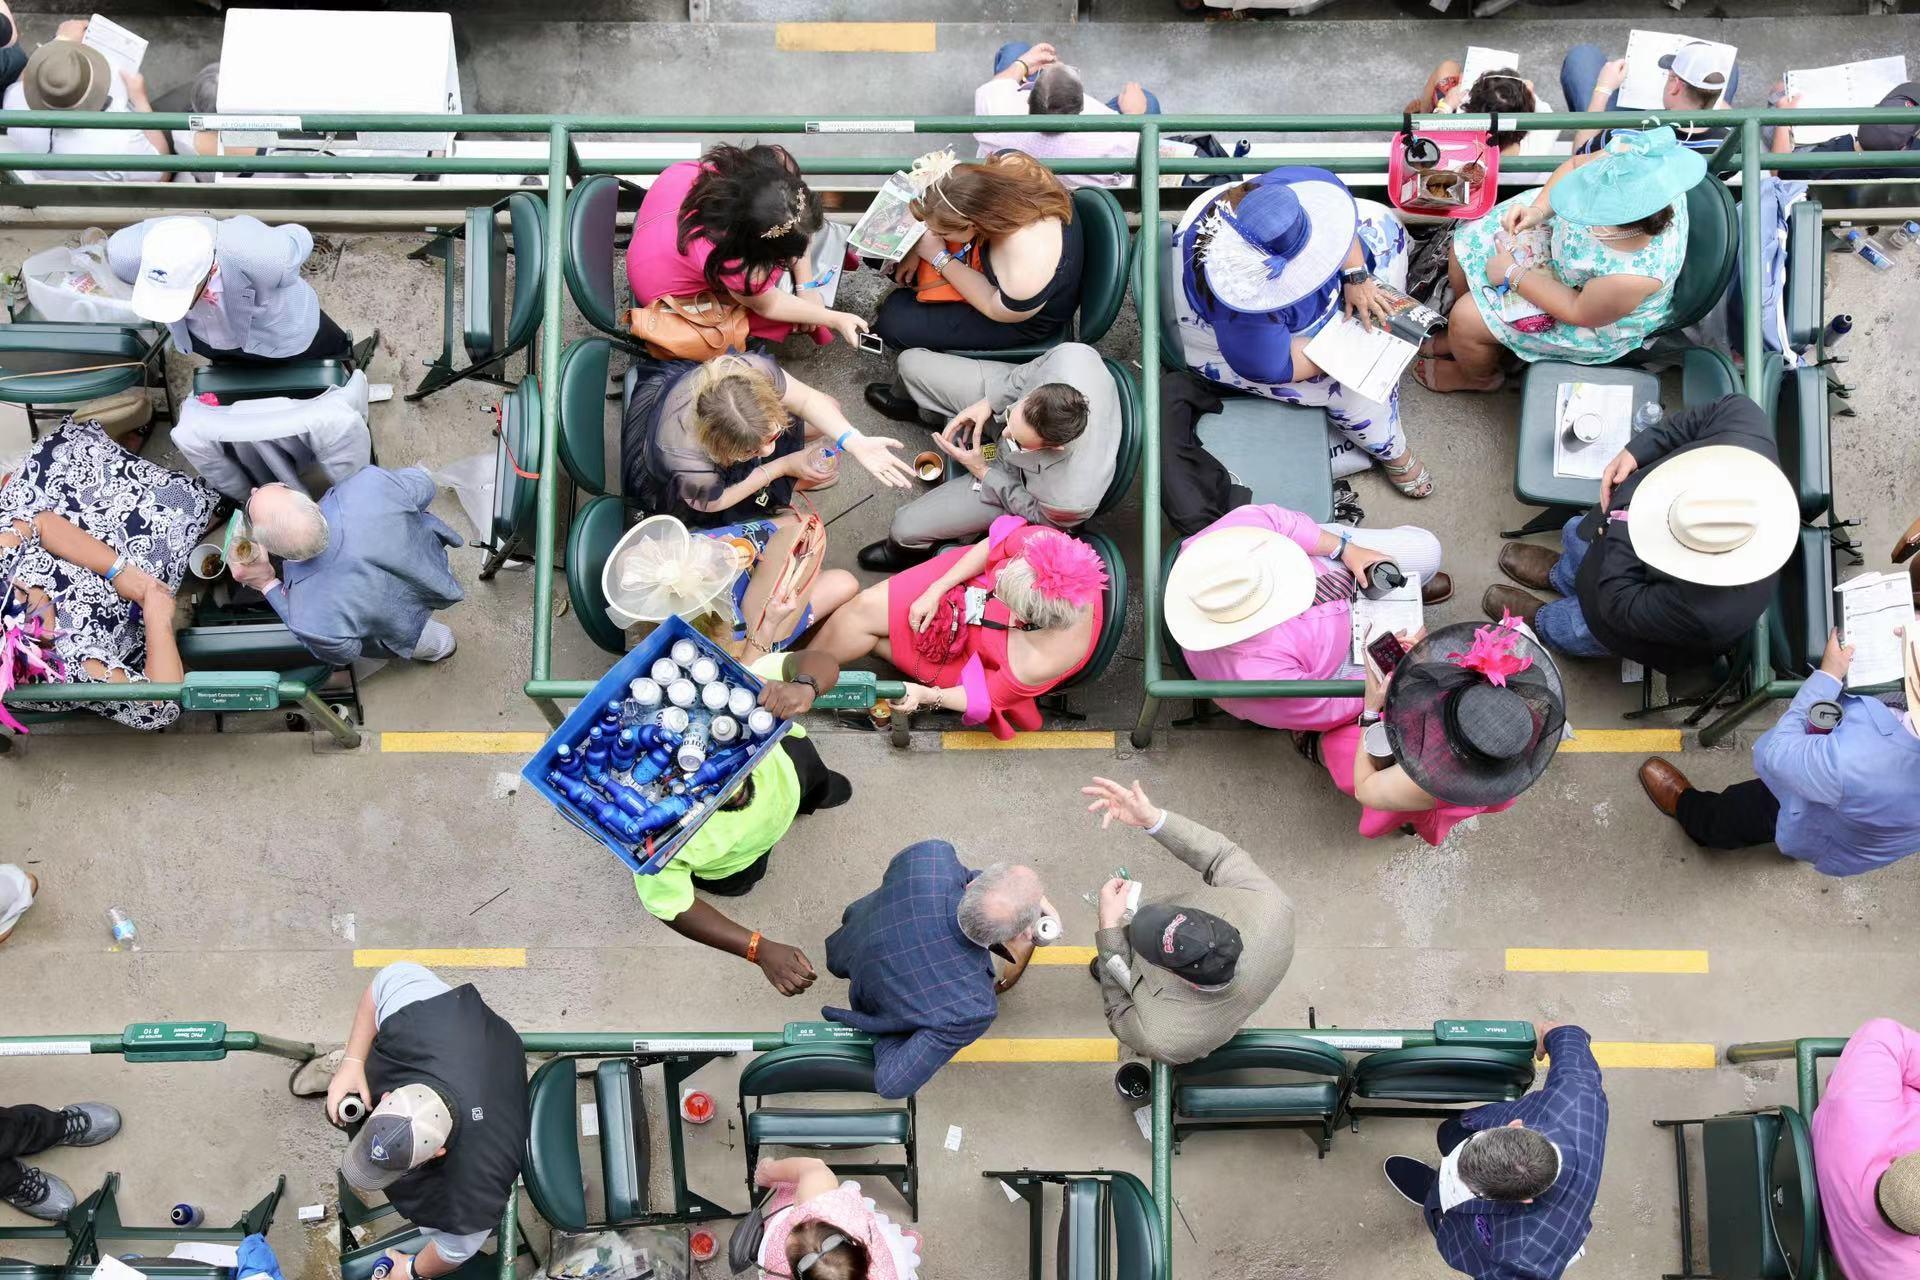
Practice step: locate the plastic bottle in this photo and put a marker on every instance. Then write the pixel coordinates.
(596, 752)
(1837, 328)
(1648, 415)
(186, 1215)
(1865, 245)
(382, 1269)
(626, 748)
(568, 761)
(124, 932)
(1903, 235)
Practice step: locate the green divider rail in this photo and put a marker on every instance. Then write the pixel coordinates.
(1806, 1053)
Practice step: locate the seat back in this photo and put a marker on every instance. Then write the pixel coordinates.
(1706, 375)
(1444, 1073)
(1269, 1051)
(483, 285)
(1160, 237)
(1794, 1193)
(620, 1100)
(250, 646)
(106, 356)
(1113, 618)
(1126, 461)
(1802, 611)
(1279, 451)
(597, 527)
(809, 1068)
(552, 1173)
(296, 379)
(1136, 1230)
(1712, 240)
(1103, 274)
(517, 450)
(1736, 1153)
(527, 218)
(583, 412)
(1806, 309)
(593, 210)
(1803, 432)
(1080, 1252)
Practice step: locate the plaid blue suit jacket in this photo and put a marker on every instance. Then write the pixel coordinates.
(1496, 1240)
(920, 987)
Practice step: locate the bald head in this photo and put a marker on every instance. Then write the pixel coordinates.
(287, 522)
(1000, 904)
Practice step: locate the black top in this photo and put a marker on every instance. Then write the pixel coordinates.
(1639, 612)
(13, 60)
(473, 1058)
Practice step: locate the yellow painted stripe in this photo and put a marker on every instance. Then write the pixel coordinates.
(1582, 960)
(854, 37)
(1063, 955)
(443, 957)
(1636, 741)
(1039, 740)
(1061, 1050)
(485, 744)
(1672, 1057)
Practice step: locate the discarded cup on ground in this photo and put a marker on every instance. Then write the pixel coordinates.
(1133, 1080)
(703, 1244)
(207, 561)
(696, 1106)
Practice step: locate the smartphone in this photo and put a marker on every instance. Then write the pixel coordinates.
(1386, 651)
(871, 341)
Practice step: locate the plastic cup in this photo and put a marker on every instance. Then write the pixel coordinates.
(929, 467)
(207, 561)
(697, 1106)
(1133, 1081)
(703, 1244)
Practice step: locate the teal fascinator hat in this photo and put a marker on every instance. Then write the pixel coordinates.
(1640, 172)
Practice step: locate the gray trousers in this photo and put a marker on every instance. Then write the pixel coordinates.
(943, 385)
(954, 510)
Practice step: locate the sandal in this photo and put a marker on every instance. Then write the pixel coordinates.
(1425, 373)
(1410, 477)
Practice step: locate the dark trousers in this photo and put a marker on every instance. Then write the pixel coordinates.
(330, 342)
(1195, 488)
(813, 776)
(1737, 818)
(25, 1130)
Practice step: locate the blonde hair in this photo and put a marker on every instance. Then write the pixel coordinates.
(1003, 193)
(735, 410)
(1015, 589)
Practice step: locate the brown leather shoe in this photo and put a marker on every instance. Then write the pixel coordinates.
(1501, 599)
(1528, 564)
(1436, 590)
(1909, 543)
(1663, 784)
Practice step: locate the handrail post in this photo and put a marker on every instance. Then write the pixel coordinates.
(1163, 1160)
(1147, 304)
(547, 496)
(1750, 179)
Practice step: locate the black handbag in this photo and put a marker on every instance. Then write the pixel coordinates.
(743, 1250)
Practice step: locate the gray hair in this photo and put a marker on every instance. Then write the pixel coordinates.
(1002, 903)
(1509, 1164)
(1015, 589)
(1056, 91)
(295, 528)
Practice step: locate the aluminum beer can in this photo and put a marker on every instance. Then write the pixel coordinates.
(1823, 717)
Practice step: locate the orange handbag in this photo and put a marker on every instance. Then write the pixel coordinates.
(695, 328)
(930, 286)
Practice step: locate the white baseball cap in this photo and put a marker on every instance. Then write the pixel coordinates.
(1700, 64)
(174, 258)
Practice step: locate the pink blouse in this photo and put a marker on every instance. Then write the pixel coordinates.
(1337, 748)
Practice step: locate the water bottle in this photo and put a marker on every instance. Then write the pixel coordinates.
(121, 925)
(382, 1268)
(1837, 328)
(186, 1215)
(568, 761)
(1648, 415)
(1864, 245)
(1903, 235)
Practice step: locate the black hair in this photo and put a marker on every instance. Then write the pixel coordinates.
(752, 206)
(1501, 90)
(741, 797)
(1653, 224)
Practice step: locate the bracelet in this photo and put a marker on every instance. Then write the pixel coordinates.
(119, 563)
(1516, 269)
(848, 434)
(1345, 540)
(1026, 68)
(753, 949)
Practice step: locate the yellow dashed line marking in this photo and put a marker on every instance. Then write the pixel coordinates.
(854, 37)
(1039, 740)
(1578, 960)
(1063, 955)
(1040, 1050)
(486, 744)
(1636, 741)
(443, 957)
(1638, 1054)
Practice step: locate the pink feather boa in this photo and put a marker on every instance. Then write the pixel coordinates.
(26, 657)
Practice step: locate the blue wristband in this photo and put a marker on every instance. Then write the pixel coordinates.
(841, 443)
(119, 563)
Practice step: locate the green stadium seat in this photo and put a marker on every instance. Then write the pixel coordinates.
(620, 1103)
(297, 379)
(593, 271)
(1713, 242)
(597, 527)
(1113, 624)
(1806, 296)
(553, 1173)
(1762, 1197)
(1802, 612)
(57, 363)
(1108, 1229)
(1249, 1097)
(1802, 429)
(583, 412)
(483, 322)
(1436, 1074)
(1133, 436)
(809, 1069)
(1103, 276)
(515, 483)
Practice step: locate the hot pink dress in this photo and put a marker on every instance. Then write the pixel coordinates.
(977, 662)
(657, 269)
(1337, 747)
(892, 1254)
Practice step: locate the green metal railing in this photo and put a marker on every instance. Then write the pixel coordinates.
(1806, 1053)
(1743, 153)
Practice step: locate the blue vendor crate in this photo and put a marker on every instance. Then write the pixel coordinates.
(611, 689)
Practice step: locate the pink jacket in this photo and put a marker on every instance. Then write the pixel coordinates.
(1869, 1117)
(1313, 646)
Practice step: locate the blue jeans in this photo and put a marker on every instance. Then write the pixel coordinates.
(1580, 73)
(1560, 624)
(1009, 53)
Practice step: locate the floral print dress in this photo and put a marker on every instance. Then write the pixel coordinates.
(1578, 258)
(149, 514)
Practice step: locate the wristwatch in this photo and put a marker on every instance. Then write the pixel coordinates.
(1369, 717)
(1354, 275)
(808, 681)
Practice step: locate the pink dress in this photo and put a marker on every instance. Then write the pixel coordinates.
(892, 1254)
(1337, 747)
(656, 268)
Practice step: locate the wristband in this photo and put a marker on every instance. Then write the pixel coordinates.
(1345, 540)
(848, 434)
(753, 949)
(119, 563)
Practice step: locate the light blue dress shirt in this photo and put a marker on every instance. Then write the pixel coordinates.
(1849, 800)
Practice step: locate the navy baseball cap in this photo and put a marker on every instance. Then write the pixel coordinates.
(1192, 944)
(405, 1130)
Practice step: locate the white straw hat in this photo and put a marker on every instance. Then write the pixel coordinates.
(1234, 583)
(1719, 515)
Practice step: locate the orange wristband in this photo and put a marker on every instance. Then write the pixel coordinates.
(753, 949)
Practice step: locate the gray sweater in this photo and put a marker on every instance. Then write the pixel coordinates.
(1161, 1015)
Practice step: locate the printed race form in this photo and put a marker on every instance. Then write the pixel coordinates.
(1646, 82)
(1872, 607)
(1851, 84)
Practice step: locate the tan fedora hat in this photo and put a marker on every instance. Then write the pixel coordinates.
(1719, 515)
(1234, 583)
(65, 76)
(1898, 1192)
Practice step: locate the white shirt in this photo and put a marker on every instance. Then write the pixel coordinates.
(98, 142)
(1003, 96)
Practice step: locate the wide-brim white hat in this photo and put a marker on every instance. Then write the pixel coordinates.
(1719, 516)
(1249, 276)
(1234, 583)
(659, 569)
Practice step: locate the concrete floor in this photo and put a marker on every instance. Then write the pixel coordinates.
(319, 853)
